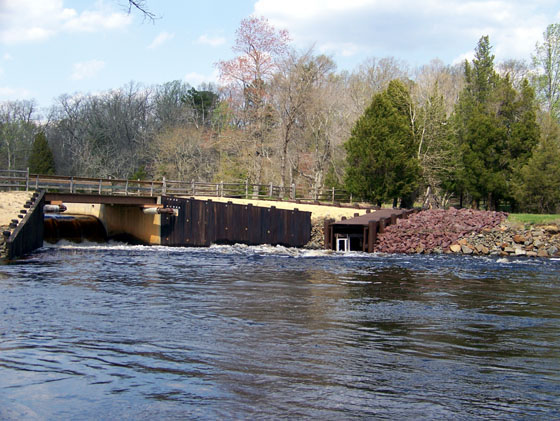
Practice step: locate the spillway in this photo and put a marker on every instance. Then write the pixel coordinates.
(75, 228)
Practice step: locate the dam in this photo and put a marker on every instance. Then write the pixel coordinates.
(188, 221)
(166, 212)
(176, 221)
(173, 213)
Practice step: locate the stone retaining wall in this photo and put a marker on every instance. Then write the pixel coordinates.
(465, 232)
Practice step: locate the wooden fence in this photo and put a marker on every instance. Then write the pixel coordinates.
(23, 180)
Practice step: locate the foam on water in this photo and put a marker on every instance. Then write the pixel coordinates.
(236, 249)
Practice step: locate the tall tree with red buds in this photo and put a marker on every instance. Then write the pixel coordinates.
(246, 77)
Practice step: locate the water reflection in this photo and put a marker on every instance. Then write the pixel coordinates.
(240, 332)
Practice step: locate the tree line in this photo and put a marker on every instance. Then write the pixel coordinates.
(479, 134)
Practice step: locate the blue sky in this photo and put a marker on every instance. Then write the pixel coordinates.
(54, 47)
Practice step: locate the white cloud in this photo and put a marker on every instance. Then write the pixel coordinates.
(37, 20)
(160, 39)
(195, 79)
(9, 93)
(87, 69)
(93, 21)
(211, 41)
(345, 49)
(411, 28)
(7, 57)
(469, 56)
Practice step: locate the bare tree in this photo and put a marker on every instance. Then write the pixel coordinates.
(17, 129)
(448, 79)
(260, 47)
(185, 153)
(547, 62)
(516, 70)
(293, 94)
(434, 94)
(102, 135)
(169, 107)
(140, 5)
(371, 77)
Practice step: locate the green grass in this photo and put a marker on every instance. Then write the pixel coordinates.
(534, 219)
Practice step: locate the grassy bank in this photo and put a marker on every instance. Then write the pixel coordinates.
(533, 219)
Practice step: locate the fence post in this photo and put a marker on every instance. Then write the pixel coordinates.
(126, 188)
(99, 188)
(27, 180)
(270, 190)
(222, 188)
(293, 191)
(217, 190)
(193, 187)
(247, 189)
(72, 184)
(372, 235)
(163, 187)
(152, 188)
(37, 182)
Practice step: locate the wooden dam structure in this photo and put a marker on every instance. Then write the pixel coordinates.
(360, 233)
(126, 212)
(161, 220)
(201, 223)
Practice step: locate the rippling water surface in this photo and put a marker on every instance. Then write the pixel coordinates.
(119, 332)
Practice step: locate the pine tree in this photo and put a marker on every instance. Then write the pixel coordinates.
(381, 154)
(496, 129)
(41, 160)
(538, 182)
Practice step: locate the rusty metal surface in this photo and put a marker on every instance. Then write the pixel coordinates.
(201, 223)
(101, 199)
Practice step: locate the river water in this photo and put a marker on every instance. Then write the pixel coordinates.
(126, 332)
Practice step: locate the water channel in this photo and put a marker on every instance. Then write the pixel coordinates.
(233, 332)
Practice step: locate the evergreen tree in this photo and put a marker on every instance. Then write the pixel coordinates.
(538, 182)
(381, 153)
(203, 104)
(41, 160)
(524, 130)
(496, 129)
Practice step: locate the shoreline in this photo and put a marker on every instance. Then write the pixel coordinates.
(461, 232)
(499, 238)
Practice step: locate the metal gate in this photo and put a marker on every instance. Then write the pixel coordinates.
(201, 223)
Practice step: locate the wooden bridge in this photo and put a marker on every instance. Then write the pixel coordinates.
(23, 180)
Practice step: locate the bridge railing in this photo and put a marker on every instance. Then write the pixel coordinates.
(14, 179)
(23, 180)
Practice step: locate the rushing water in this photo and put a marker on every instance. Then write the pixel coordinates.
(119, 332)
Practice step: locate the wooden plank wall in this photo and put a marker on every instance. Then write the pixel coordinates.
(201, 223)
